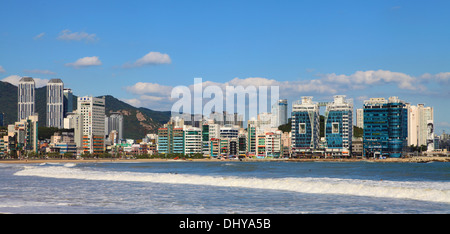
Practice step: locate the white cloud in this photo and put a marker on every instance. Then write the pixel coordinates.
(362, 79)
(2, 70)
(86, 62)
(134, 102)
(67, 35)
(37, 71)
(149, 88)
(14, 80)
(39, 36)
(442, 77)
(379, 82)
(152, 58)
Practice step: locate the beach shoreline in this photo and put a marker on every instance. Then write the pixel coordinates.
(423, 159)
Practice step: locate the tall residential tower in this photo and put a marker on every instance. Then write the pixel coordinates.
(279, 113)
(55, 103)
(305, 127)
(338, 127)
(92, 111)
(26, 93)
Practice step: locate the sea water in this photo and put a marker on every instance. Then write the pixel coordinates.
(230, 187)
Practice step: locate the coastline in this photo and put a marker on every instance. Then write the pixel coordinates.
(422, 159)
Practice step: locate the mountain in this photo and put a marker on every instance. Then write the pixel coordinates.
(137, 122)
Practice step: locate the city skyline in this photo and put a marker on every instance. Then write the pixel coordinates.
(139, 51)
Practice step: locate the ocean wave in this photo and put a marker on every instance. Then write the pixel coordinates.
(424, 191)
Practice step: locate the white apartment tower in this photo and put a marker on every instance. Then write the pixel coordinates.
(419, 118)
(26, 93)
(55, 103)
(92, 111)
(114, 122)
(360, 118)
(279, 113)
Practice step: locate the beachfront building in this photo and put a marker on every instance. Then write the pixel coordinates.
(261, 145)
(305, 127)
(229, 131)
(171, 137)
(26, 98)
(242, 144)
(273, 144)
(251, 137)
(338, 127)
(279, 113)
(205, 139)
(193, 140)
(92, 111)
(23, 136)
(385, 127)
(55, 103)
(418, 118)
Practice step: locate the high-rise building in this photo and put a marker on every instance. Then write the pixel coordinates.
(55, 103)
(273, 144)
(279, 113)
(74, 121)
(26, 94)
(92, 110)
(171, 137)
(68, 101)
(360, 118)
(25, 133)
(305, 127)
(418, 118)
(385, 127)
(338, 127)
(193, 140)
(114, 123)
(251, 137)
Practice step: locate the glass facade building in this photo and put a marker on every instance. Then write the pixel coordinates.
(338, 127)
(305, 127)
(385, 127)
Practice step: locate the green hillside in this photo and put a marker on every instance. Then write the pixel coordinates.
(137, 121)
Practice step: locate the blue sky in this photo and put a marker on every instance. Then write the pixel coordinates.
(138, 50)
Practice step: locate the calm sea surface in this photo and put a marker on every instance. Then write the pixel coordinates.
(226, 187)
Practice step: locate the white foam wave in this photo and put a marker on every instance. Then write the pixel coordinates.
(425, 191)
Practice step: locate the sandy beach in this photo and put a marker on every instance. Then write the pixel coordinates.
(422, 159)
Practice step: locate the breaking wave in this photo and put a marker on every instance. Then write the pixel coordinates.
(424, 191)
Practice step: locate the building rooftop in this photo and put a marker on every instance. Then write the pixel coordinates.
(55, 81)
(26, 79)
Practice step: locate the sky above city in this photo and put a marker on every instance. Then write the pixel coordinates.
(138, 51)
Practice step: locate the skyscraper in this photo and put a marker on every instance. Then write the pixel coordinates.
(418, 118)
(114, 122)
(385, 127)
(305, 127)
(338, 127)
(279, 113)
(68, 101)
(55, 103)
(26, 93)
(92, 111)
